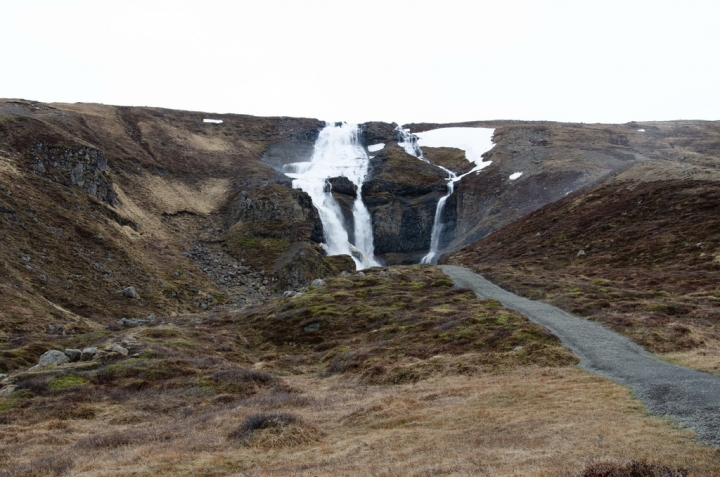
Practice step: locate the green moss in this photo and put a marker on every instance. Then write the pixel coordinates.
(67, 381)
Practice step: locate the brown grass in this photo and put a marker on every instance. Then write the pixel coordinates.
(530, 421)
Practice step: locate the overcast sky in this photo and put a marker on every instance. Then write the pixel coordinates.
(403, 61)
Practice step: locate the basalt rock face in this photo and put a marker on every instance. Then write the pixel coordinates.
(375, 132)
(401, 194)
(344, 192)
(84, 167)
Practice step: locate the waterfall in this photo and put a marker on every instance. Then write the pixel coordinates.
(409, 142)
(438, 225)
(338, 152)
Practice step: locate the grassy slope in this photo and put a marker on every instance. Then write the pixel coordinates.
(439, 386)
(650, 267)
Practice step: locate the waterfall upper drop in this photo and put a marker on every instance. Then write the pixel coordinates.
(337, 153)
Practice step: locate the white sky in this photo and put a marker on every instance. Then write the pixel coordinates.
(403, 61)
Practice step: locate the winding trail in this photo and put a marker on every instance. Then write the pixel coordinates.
(691, 397)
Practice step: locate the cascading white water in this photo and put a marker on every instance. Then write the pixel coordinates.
(410, 144)
(438, 225)
(338, 153)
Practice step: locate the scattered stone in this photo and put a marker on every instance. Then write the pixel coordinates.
(383, 273)
(359, 274)
(312, 327)
(130, 292)
(344, 273)
(73, 354)
(88, 353)
(25, 258)
(581, 253)
(116, 348)
(55, 328)
(133, 322)
(318, 282)
(517, 348)
(393, 272)
(204, 306)
(289, 293)
(51, 358)
(298, 295)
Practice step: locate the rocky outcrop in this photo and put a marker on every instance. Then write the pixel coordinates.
(287, 152)
(301, 264)
(375, 132)
(401, 194)
(284, 212)
(83, 167)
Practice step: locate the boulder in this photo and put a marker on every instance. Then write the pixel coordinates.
(130, 292)
(318, 282)
(301, 264)
(51, 358)
(73, 354)
(116, 348)
(88, 353)
(340, 263)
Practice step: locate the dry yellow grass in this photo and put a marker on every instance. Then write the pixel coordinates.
(526, 422)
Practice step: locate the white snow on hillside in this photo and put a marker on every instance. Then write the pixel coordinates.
(641, 130)
(376, 147)
(213, 121)
(515, 175)
(474, 141)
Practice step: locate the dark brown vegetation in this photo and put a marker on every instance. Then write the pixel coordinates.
(389, 327)
(348, 376)
(630, 469)
(649, 265)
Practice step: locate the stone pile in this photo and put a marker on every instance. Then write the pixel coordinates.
(242, 284)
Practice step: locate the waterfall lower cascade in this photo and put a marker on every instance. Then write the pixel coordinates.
(410, 144)
(337, 153)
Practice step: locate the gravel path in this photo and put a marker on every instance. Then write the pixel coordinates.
(692, 397)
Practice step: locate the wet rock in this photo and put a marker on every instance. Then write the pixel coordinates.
(51, 358)
(73, 354)
(130, 292)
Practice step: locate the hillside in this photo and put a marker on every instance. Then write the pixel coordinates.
(639, 253)
(422, 378)
(178, 253)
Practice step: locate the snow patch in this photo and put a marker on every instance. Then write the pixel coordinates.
(376, 147)
(515, 175)
(641, 130)
(213, 121)
(474, 141)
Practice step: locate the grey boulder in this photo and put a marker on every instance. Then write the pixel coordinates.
(73, 354)
(88, 353)
(51, 358)
(130, 292)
